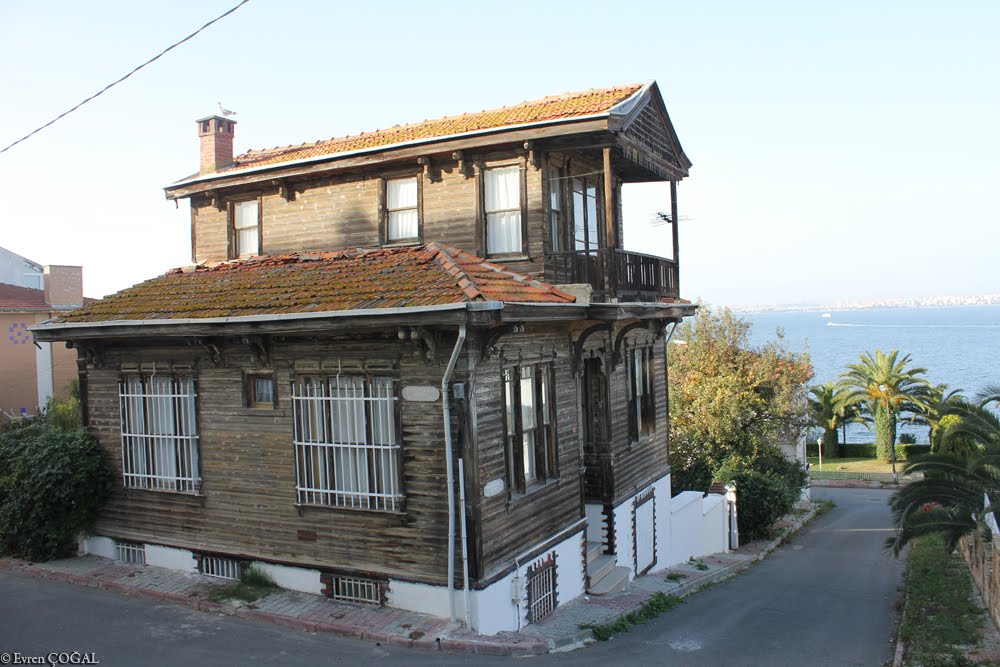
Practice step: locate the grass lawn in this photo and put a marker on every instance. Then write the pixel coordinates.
(831, 464)
(939, 613)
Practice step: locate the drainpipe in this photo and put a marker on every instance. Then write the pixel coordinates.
(446, 414)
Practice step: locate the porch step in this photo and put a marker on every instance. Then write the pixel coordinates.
(594, 551)
(612, 582)
(600, 567)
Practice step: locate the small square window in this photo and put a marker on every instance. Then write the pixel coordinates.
(260, 391)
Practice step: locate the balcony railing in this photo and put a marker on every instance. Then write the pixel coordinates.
(615, 274)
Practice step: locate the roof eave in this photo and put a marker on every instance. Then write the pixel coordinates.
(208, 179)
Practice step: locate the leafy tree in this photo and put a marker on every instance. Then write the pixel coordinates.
(727, 399)
(829, 410)
(886, 387)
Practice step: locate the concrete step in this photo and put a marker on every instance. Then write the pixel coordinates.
(595, 549)
(612, 582)
(601, 566)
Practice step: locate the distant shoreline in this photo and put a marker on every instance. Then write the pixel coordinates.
(933, 302)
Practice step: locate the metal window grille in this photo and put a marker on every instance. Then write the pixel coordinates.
(346, 449)
(130, 552)
(355, 589)
(224, 568)
(159, 433)
(541, 585)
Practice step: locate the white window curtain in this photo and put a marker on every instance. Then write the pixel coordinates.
(245, 223)
(401, 202)
(503, 210)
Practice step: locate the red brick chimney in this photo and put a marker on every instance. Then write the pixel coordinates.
(216, 135)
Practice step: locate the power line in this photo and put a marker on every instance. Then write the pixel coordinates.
(115, 83)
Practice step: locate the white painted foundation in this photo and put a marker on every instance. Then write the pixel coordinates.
(168, 557)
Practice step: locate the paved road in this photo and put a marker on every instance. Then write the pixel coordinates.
(825, 599)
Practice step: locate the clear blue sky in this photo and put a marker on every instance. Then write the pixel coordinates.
(842, 150)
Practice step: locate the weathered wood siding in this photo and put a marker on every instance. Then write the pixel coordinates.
(342, 211)
(638, 464)
(247, 462)
(511, 523)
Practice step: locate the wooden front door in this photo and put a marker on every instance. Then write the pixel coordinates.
(598, 474)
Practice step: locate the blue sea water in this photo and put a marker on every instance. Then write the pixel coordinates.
(959, 346)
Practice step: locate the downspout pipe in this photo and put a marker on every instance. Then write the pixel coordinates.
(450, 472)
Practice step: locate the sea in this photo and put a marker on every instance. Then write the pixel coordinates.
(958, 345)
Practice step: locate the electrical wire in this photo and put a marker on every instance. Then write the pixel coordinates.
(115, 83)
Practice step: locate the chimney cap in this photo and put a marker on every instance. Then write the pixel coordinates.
(216, 117)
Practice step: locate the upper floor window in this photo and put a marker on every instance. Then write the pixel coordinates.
(557, 219)
(529, 425)
(159, 429)
(586, 222)
(502, 202)
(346, 443)
(402, 210)
(641, 401)
(246, 228)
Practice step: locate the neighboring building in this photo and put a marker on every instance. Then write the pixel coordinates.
(31, 373)
(345, 392)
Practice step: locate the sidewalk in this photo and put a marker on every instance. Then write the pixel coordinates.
(316, 613)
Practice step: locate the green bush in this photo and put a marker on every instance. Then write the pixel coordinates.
(52, 483)
(695, 476)
(761, 499)
(907, 439)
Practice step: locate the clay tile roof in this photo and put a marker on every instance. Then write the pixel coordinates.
(554, 108)
(14, 297)
(316, 282)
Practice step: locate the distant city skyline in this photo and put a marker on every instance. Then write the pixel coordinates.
(842, 151)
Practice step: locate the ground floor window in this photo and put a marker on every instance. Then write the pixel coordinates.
(346, 444)
(641, 402)
(159, 428)
(529, 424)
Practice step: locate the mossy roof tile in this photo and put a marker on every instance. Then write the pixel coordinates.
(427, 275)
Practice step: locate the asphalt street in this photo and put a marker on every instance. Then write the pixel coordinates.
(826, 598)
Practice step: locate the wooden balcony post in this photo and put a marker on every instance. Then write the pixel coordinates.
(611, 260)
(673, 219)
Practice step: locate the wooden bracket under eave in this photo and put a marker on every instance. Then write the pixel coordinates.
(218, 201)
(534, 155)
(425, 162)
(463, 166)
(287, 190)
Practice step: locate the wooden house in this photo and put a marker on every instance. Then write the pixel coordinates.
(412, 367)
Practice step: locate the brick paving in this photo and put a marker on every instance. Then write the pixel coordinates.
(560, 630)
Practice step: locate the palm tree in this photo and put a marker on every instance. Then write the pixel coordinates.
(828, 410)
(957, 493)
(989, 394)
(886, 388)
(938, 404)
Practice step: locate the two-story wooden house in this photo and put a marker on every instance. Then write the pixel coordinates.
(411, 367)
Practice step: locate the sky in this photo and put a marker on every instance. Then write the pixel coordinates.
(842, 150)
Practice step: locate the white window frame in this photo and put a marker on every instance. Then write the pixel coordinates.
(347, 452)
(395, 211)
(503, 213)
(243, 230)
(159, 430)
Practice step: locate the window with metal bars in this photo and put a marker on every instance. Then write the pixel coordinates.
(130, 552)
(530, 425)
(541, 588)
(359, 590)
(159, 428)
(346, 447)
(219, 566)
(641, 399)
